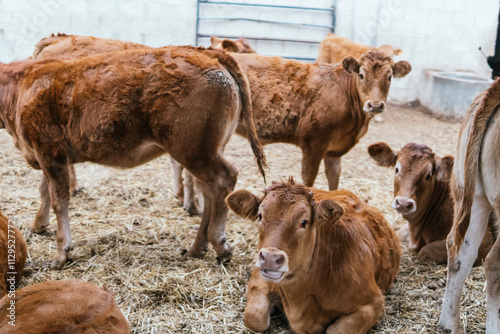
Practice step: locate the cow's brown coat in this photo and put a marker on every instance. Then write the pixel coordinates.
(13, 255)
(240, 45)
(67, 306)
(335, 255)
(124, 109)
(334, 48)
(422, 196)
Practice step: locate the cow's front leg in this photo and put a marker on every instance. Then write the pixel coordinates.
(359, 321)
(73, 182)
(57, 176)
(312, 155)
(404, 233)
(434, 251)
(333, 167)
(178, 182)
(459, 265)
(257, 315)
(42, 217)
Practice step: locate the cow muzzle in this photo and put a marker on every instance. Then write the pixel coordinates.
(404, 205)
(374, 107)
(273, 264)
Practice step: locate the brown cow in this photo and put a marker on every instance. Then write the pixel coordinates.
(422, 196)
(241, 45)
(475, 186)
(67, 306)
(126, 108)
(323, 109)
(13, 255)
(334, 48)
(325, 257)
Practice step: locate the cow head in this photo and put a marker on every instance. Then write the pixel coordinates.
(373, 74)
(288, 219)
(241, 45)
(417, 170)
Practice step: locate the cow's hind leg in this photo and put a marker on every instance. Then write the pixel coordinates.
(312, 154)
(73, 182)
(459, 265)
(57, 176)
(178, 182)
(42, 217)
(190, 204)
(492, 269)
(359, 321)
(333, 166)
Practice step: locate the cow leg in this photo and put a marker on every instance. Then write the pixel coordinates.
(434, 251)
(404, 233)
(312, 154)
(492, 269)
(332, 169)
(257, 316)
(360, 321)
(178, 184)
(190, 195)
(459, 265)
(73, 183)
(42, 216)
(200, 244)
(57, 177)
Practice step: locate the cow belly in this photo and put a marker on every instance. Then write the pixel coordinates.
(490, 162)
(131, 157)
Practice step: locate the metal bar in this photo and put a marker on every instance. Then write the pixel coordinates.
(259, 5)
(197, 20)
(264, 21)
(334, 15)
(263, 39)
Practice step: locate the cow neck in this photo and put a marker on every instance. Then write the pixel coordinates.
(433, 216)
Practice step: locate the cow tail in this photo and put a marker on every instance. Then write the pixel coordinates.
(246, 112)
(484, 109)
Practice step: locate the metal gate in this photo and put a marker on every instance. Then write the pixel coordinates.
(277, 30)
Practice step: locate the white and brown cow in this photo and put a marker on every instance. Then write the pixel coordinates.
(325, 257)
(334, 48)
(66, 306)
(123, 109)
(13, 255)
(422, 195)
(476, 190)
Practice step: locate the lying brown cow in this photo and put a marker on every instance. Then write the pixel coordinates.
(13, 255)
(67, 306)
(325, 257)
(124, 109)
(334, 48)
(422, 196)
(323, 109)
(240, 45)
(476, 190)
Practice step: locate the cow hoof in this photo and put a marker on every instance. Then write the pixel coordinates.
(199, 254)
(77, 191)
(192, 211)
(225, 257)
(57, 264)
(39, 229)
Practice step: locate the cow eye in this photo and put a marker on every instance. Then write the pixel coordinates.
(361, 76)
(390, 77)
(428, 177)
(303, 224)
(397, 170)
(259, 216)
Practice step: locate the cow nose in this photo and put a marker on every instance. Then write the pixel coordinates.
(271, 260)
(404, 205)
(376, 106)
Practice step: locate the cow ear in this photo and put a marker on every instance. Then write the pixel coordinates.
(397, 52)
(383, 154)
(444, 167)
(230, 45)
(401, 69)
(243, 203)
(351, 65)
(327, 211)
(215, 41)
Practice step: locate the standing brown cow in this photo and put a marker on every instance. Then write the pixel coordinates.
(334, 48)
(124, 109)
(67, 306)
(422, 195)
(325, 257)
(13, 255)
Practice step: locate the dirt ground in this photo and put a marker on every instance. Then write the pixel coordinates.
(129, 232)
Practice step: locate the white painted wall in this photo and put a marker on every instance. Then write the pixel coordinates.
(434, 34)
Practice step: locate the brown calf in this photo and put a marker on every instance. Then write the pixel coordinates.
(240, 45)
(422, 196)
(67, 306)
(476, 190)
(123, 109)
(13, 255)
(334, 48)
(325, 257)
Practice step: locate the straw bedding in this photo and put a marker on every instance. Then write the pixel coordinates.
(129, 232)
